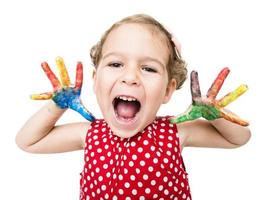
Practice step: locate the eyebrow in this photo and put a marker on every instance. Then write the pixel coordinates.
(146, 58)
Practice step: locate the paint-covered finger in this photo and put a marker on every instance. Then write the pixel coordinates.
(195, 86)
(193, 114)
(64, 76)
(217, 84)
(42, 96)
(230, 97)
(79, 76)
(54, 80)
(233, 118)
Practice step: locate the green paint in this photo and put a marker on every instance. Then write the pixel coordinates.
(197, 111)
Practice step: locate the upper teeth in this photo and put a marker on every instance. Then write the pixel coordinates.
(127, 98)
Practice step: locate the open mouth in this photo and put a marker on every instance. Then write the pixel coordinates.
(126, 107)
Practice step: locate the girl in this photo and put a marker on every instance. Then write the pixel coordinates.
(131, 153)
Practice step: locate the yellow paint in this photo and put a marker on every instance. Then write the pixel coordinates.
(233, 95)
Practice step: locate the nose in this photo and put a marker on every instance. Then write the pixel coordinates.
(130, 76)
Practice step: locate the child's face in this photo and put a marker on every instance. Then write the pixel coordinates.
(131, 80)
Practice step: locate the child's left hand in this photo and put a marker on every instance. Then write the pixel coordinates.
(65, 95)
(208, 107)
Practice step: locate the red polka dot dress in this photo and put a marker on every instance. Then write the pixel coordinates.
(146, 166)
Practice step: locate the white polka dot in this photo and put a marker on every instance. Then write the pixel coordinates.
(103, 187)
(168, 153)
(155, 196)
(145, 177)
(169, 145)
(96, 142)
(140, 149)
(150, 169)
(147, 190)
(160, 187)
(134, 191)
(165, 179)
(97, 169)
(145, 142)
(91, 186)
(125, 171)
(108, 174)
(155, 160)
(127, 185)
(131, 163)
(133, 144)
(105, 166)
(141, 198)
(166, 192)
(170, 137)
(106, 146)
(140, 184)
(158, 174)
(170, 131)
(161, 136)
(100, 178)
(165, 160)
(147, 155)
(137, 170)
(152, 148)
(120, 177)
(134, 157)
(106, 196)
(162, 130)
(170, 184)
(114, 176)
(153, 182)
(132, 177)
(90, 147)
(142, 163)
(160, 143)
(102, 158)
(128, 198)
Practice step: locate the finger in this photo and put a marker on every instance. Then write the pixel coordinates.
(42, 96)
(55, 82)
(79, 76)
(78, 107)
(65, 79)
(233, 118)
(193, 114)
(217, 84)
(232, 96)
(195, 86)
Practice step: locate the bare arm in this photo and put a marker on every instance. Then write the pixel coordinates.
(218, 133)
(40, 135)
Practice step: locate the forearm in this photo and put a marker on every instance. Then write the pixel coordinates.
(233, 133)
(39, 125)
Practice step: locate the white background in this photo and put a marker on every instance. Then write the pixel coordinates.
(214, 34)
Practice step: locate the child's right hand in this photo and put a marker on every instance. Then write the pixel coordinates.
(208, 107)
(65, 95)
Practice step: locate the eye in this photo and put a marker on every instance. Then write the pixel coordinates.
(149, 69)
(115, 65)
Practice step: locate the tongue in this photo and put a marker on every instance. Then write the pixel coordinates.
(127, 109)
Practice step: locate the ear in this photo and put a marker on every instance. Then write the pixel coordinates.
(94, 79)
(171, 87)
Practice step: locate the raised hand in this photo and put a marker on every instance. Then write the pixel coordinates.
(208, 107)
(65, 95)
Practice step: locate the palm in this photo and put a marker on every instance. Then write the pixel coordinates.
(208, 107)
(65, 95)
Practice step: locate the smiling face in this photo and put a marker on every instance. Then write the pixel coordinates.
(131, 80)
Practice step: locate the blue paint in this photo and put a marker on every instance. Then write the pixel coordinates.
(69, 98)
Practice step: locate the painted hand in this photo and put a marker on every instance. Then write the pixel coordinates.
(208, 107)
(65, 95)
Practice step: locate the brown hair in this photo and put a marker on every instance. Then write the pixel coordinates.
(176, 66)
